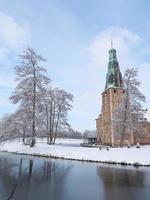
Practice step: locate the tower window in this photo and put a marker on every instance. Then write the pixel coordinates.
(106, 128)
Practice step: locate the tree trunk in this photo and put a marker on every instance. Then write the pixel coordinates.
(56, 127)
(53, 123)
(50, 122)
(127, 116)
(124, 128)
(47, 124)
(23, 138)
(33, 114)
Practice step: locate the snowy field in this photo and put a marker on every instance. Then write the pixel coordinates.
(71, 149)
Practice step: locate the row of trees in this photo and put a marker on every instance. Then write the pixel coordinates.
(130, 112)
(42, 108)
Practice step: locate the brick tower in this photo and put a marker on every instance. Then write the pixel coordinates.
(111, 97)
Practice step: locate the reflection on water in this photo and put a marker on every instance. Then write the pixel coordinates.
(27, 178)
(125, 183)
(31, 178)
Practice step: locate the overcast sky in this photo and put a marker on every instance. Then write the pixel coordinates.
(74, 35)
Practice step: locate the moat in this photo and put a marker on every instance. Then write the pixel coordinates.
(28, 178)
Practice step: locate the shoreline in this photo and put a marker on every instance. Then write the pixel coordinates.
(136, 165)
(70, 149)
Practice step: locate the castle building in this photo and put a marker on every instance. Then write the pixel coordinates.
(107, 131)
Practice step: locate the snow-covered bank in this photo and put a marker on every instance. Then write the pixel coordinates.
(71, 149)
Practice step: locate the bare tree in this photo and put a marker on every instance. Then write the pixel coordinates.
(130, 111)
(63, 101)
(57, 103)
(42, 110)
(31, 81)
(9, 128)
(89, 133)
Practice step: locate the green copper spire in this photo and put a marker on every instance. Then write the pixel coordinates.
(114, 77)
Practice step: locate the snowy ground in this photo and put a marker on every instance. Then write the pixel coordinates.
(71, 149)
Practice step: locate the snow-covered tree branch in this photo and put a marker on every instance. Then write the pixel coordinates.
(42, 110)
(31, 81)
(130, 112)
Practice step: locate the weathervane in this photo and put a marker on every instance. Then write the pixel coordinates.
(111, 43)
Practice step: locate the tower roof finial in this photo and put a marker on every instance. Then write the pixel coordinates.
(111, 43)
